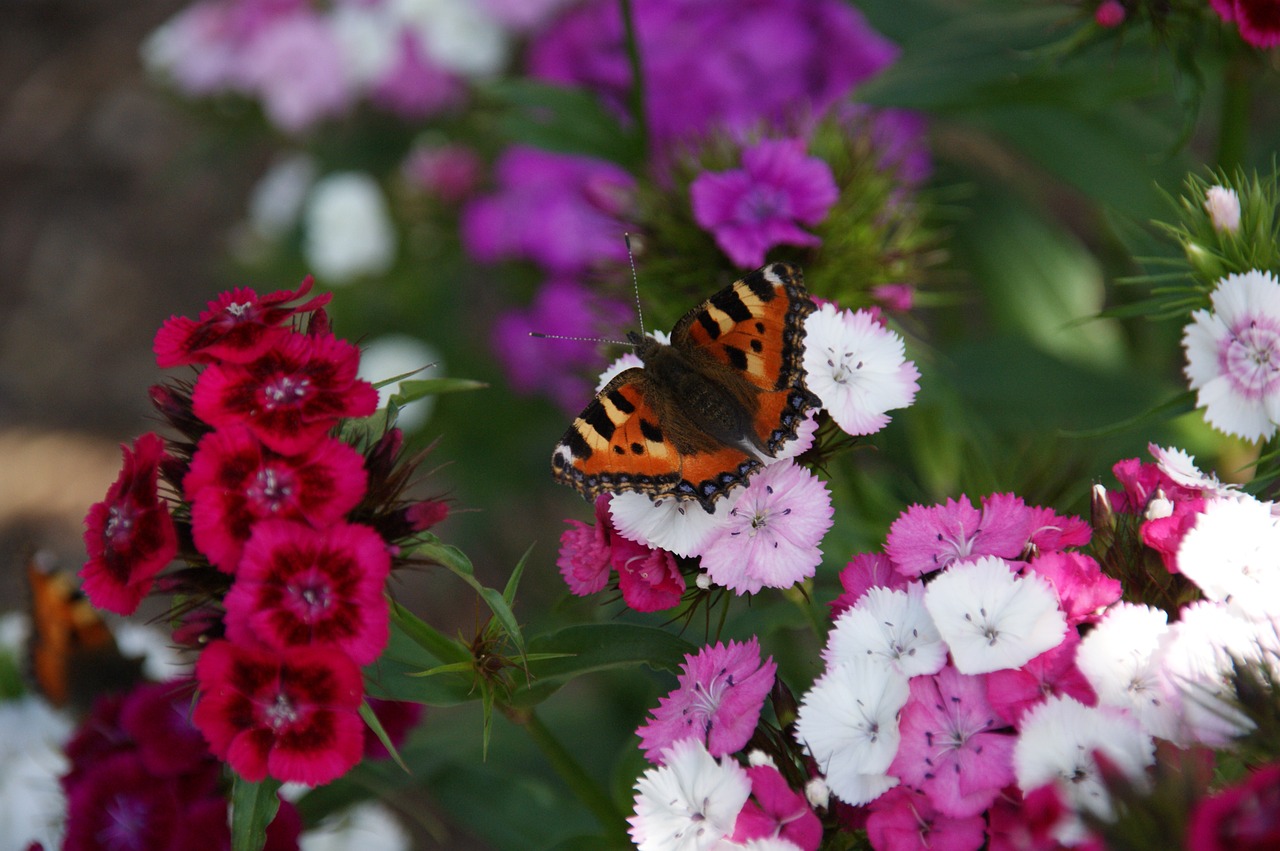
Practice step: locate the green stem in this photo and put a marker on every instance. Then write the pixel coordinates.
(1233, 123)
(573, 774)
(636, 97)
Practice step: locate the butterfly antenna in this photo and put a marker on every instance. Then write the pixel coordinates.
(542, 336)
(635, 281)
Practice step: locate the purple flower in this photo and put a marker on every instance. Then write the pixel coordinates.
(556, 367)
(716, 64)
(752, 209)
(718, 701)
(414, 86)
(925, 539)
(949, 749)
(559, 211)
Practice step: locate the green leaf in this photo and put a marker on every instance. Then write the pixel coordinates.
(413, 389)
(253, 806)
(558, 118)
(457, 562)
(375, 724)
(586, 648)
(428, 637)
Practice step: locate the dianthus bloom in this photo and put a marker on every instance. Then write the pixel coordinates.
(1233, 355)
(130, 535)
(1258, 20)
(690, 803)
(764, 203)
(291, 715)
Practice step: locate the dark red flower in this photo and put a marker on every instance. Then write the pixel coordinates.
(1259, 22)
(397, 718)
(1244, 817)
(237, 327)
(157, 716)
(299, 586)
(119, 805)
(235, 481)
(129, 536)
(204, 827)
(292, 715)
(289, 397)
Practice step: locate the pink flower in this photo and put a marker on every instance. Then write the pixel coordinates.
(584, 552)
(1243, 817)
(296, 67)
(1013, 691)
(119, 804)
(864, 572)
(773, 532)
(1050, 531)
(763, 204)
(927, 539)
(1258, 20)
(1082, 588)
(234, 481)
(775, 809)
(291, 715)
(298, 587)
(291, 396)
(414, 86)
(448, 172)
(237, 327)
(1109, 14)
(1165, 534)
(157, 717)
(905, 820)
(129, 536)
(718, 700)
(1027, 822)
(649, 579)
(950, 749)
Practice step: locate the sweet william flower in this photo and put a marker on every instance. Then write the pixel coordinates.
(1233, 355)
(1013, 691)
(775, 810)
(348, 230)
(864, 572)
(129, 536)
(299, 587)
(858, 368)
(718, 700)
(237, 327)
(1243, 817)
(649, 579)
(690, 802)
(906, 820)
(291, 396)
(234, 481)
(928, 538)
(891, 627)
(291, 715)
(119, 804)
(1233, 554)
(584, 552)
(763, 204)
(1223, 206)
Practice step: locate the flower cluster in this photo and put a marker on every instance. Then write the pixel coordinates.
(766, 534)
(288, 532)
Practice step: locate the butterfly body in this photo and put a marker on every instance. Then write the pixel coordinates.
(707, 410)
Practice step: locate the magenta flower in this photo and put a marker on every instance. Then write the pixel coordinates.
(717, 701)
(864, 572)
(237, 327)
(129, 536)
(234, 481)
(414, 86)
(1051, 531)
(1013, 691)
(773, 532)
(903, 819)
(950, 749)
(1081, 587)
(584, 552)
(298, 587)
(397, 718)
(649, 579)
(291, 396)
(764, 203)
(295, 66)
(118, 804)
(927, 539)
(775, 809)
(1243, 817)
(157, 717)
(291, 715)
(1258, 20)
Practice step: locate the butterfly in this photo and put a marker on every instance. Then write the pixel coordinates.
(74, 656)
(706, 411)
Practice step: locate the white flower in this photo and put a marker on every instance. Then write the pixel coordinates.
(1120, 658)
(1056, 744)
(1233, 555)
(891, 627)
(848, 722)
(1181, 467)
(858, 368)
(679, 526)
(399, 354)
(160, 659)
(369, 40)
(348, 229)
(32, 805)
(689, 803)
(458, 35)
(276, 200)
(1197, 661)
(1233, 355)
(367, 826)
(1223, 206)
(992, 619)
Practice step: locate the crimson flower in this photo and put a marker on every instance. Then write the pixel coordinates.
(119, 804)
(290, 396)
(129, 536)
(237, 327)
(235, 481)
(1244, 817)
(291, 715)
(298, 586)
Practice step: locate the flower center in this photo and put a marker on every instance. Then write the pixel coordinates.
(281, 713)
(126, 823)
(119, 525)
(286, 390)
(312, 597)
(841, 369)
(271, 489)
(238, 309)
(1251, 356)
(762, 203)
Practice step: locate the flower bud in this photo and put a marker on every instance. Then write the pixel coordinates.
(1109, 14)
(1223, 206)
